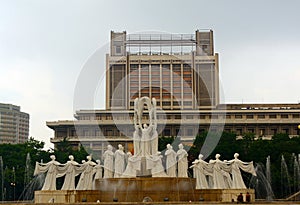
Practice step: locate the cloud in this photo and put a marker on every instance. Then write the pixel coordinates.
(30, 84)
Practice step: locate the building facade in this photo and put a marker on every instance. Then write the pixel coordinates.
(182, 72)
(14, 124)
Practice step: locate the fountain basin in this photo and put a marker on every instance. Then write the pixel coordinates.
(136, 189)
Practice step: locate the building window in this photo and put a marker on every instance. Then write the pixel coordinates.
(273, 131)
(189, 117)
(238, 116)
(285, 116)
(251, 130)
(261, 116)
(249, 116)
(118, 49)
(262, 132)
(239, 131)
(167, 132)
(285, 130)
(295, 115)
(228, 116)
(202, 116)
(178, 117)
(190, 132)
(272, 116)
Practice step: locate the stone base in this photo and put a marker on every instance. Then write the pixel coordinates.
(136, 189)
(223, 195)
(63, 196)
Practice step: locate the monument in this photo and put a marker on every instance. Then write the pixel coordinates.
(132, 177)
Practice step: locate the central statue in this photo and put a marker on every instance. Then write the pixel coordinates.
(145, 137)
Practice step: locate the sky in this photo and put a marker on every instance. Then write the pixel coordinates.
(44, 46)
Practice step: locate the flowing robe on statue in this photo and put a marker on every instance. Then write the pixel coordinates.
(97, 171)
(182, 163)
(70, 172)
(108, 157)
(237, 180)
(201, 170)
(137, 142)
(133, 165)
(119, 163)
(155, 164)
(154, 141)
(220, 171)
(171, 162)
(86, 178)
(52, 173)
(146, 140)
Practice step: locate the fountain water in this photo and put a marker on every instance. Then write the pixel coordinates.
(262, 186)
(28, 170)
(285, 179)
(268, 169)
(296, 174)
(2, 179)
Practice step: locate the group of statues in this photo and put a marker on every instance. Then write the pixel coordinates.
(217, 174)
(120, 165)
(146, 158)
(115, 165)
(88, 171)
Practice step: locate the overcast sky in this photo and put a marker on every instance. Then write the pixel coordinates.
(44, 45)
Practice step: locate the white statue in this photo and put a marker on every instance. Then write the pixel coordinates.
(133, 165)
(119, 162)
(182, 161)
(157, 169)
(201, 169)
(70, 171)
(86, 178)
(220, 171)
(52, 173)
(146, 140)
(145, 137)
(97, 171)
(137, 140)
(171, 161)
(108, 158)
(137, 131)
(236, 165)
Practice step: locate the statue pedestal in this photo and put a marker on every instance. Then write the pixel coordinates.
(144, 171)
(136, 189)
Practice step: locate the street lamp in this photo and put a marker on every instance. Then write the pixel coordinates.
(13, 184)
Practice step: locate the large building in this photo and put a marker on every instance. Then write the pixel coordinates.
(14, 124)
(182, 72)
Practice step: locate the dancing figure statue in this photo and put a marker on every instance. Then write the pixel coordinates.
(171, 161)
(97, 171)
(119, 161)
(182, 161)
(220, 173)
(133, 165)
(236, 165)
(155, 162)
(52, 172)
(201, 169)
(70, 171)
(108, 158)
(86, 178)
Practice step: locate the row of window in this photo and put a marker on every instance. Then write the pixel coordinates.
(235, 116)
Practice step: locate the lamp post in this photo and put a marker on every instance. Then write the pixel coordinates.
(13, 184)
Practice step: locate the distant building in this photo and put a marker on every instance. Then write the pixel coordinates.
(14, 124)
(182, 72)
